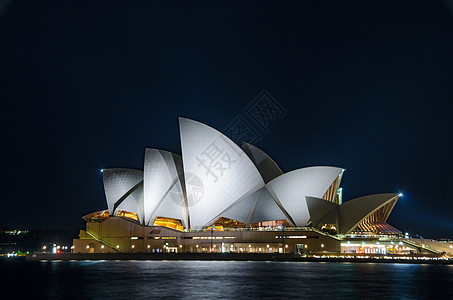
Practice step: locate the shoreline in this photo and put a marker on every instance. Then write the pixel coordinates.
(238, 257)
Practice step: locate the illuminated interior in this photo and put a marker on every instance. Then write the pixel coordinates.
(127, 214)
(329, 228)
(376, 222)
(98, 216)
(222, 223)
(169, 222)
(331, 194)
(275, 223)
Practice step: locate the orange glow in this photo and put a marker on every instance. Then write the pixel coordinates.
(227, 223)
(168, 222)
(127, 214)
(217, 228)
(97, 216)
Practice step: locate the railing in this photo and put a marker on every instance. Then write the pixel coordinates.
(421, 246)
(103, 241)
(253, 229)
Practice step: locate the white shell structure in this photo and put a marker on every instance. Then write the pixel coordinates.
(265, 165)
(133, 203)
(119, 184)
(266, 209)
(215, 178)
(163, 195)
(226, 173)
(257, 207)
(321, 209)
(354, 211)
(291, 188)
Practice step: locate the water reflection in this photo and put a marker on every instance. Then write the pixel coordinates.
(232, 279)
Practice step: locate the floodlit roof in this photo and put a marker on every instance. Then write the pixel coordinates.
(214, 178)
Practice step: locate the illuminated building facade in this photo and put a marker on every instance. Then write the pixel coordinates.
(219, 197)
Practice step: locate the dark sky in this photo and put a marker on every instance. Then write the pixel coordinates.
(366, 85)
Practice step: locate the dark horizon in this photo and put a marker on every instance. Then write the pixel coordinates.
(364, 86)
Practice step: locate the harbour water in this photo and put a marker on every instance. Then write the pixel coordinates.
(224, 279)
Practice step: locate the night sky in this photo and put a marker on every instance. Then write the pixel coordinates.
(85, 85)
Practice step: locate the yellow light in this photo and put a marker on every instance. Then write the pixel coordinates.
(102, 247)
(180, 246)
(286, 246)
(44, 247)
(197, 246)
(322, 245)
(149, 246)
(250, 246)
(133, 246)
(267, 246)
(168, 222)
(88, 246)
(117, 246)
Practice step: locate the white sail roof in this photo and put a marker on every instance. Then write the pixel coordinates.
(265, 165)
(291, 188)
(133, 203)
(355, 210)
(119, 184)
(163, 196)
(225, 172)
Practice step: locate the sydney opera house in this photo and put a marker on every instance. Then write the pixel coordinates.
(219, 197)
